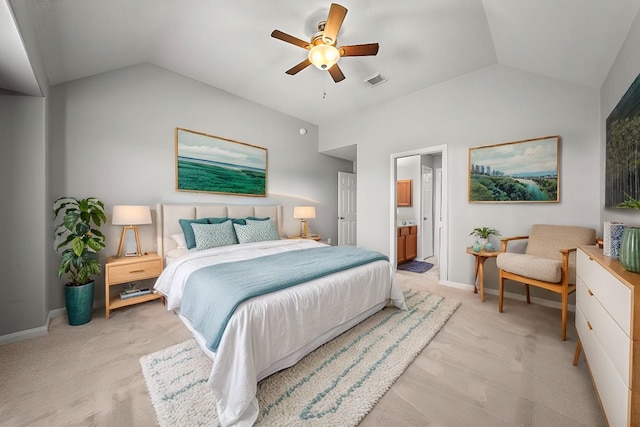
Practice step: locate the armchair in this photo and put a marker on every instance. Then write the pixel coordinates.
(548, 262)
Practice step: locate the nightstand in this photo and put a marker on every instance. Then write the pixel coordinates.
(129, 269)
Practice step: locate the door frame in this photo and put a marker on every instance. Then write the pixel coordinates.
(443, 261)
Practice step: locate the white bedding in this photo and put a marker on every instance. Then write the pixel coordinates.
(276, 330)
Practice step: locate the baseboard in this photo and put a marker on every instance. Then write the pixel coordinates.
(25, 335)
(536, 300)
(40, 330)
(456, 285)
(510, 295)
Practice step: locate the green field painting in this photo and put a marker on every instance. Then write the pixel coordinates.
(208, 163)
(193, 176)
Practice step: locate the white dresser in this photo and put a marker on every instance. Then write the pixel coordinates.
(608, 324)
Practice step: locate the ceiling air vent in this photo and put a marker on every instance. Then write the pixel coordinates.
(375, 80)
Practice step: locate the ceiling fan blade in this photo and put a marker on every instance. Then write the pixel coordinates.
(334, 22)
(359, 50)
(297, 68)
(277, 34)
(336, 73)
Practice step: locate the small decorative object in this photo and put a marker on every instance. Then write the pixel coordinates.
(612, 237)
(482, 235)
(630, 245)
(630, 249)
(82, 242)
(477, 247)
(489, 246)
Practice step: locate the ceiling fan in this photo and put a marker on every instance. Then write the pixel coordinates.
(322, 46)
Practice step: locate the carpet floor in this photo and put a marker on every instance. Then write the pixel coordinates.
(337, 384)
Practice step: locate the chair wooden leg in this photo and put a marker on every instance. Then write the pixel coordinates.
(565, 301)
(576, 356)
(500, 292)
(526, 288)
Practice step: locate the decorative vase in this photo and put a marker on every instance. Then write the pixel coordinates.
(482, 241)
(489, 247)
(630, 249)
(477, 247)
(79, 303)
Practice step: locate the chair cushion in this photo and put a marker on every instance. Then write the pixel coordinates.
(547, 270)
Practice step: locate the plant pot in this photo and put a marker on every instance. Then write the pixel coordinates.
(630, 249)
(482, 241)
(79, 303)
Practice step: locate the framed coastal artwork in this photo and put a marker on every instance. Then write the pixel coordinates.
(212, 164)
(622, 169)
(526, 171)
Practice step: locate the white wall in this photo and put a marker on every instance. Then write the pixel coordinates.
(25, 214)
(494, 105)
(113, 138)
(624, 71)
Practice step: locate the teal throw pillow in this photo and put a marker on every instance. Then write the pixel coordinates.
(256, 231)
(214, 235)
(189, 238)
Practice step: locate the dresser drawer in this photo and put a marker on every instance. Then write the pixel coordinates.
(607, 332)
(130, 272)
(613, 393)
(614, 297)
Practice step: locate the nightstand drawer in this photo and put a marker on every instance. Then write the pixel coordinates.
(130, 272)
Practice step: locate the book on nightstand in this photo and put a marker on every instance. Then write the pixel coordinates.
(130, 293)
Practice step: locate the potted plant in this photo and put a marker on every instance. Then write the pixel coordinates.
(482, 235)
(80, 219)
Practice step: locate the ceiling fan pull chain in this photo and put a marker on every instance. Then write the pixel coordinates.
(324, 86)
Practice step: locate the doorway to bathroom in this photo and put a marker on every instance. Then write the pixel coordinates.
(425, 171)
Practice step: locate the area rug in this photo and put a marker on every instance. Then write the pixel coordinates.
(337, 384)
(415, 266)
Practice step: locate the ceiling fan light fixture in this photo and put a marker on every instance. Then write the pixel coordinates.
(324, 56)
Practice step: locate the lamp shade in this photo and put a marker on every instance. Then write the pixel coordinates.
(323, 56)
(304, 212)
(131, 215)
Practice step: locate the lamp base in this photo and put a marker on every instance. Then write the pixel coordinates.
(122, 237)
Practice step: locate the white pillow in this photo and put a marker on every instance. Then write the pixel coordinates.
(214, 235)
(180, 240)
(256, 231)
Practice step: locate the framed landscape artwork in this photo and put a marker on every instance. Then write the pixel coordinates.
(622, 171)
(208, 163)
(516, 172)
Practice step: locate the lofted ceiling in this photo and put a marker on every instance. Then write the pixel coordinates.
(227, 44)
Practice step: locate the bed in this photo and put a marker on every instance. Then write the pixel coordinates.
(263, 333)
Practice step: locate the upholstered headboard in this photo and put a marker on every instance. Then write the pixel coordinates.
(169, 214)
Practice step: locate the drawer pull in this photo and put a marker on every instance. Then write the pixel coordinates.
(136, 271)
(589, 325)
(590, 293)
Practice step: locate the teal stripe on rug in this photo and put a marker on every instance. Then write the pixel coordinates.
(337, 384)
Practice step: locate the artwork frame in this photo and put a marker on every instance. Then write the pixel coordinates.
(622, 148)
(525, 171)
(212, 164)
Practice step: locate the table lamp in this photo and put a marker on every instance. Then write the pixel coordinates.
(130, 217)
(303, 213)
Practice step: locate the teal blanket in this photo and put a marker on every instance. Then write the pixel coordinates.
(212, 294)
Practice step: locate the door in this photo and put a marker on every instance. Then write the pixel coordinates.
(347, 214)
(427, 212)
(438, 214)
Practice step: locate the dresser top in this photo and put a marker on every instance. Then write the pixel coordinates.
(613, 266)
